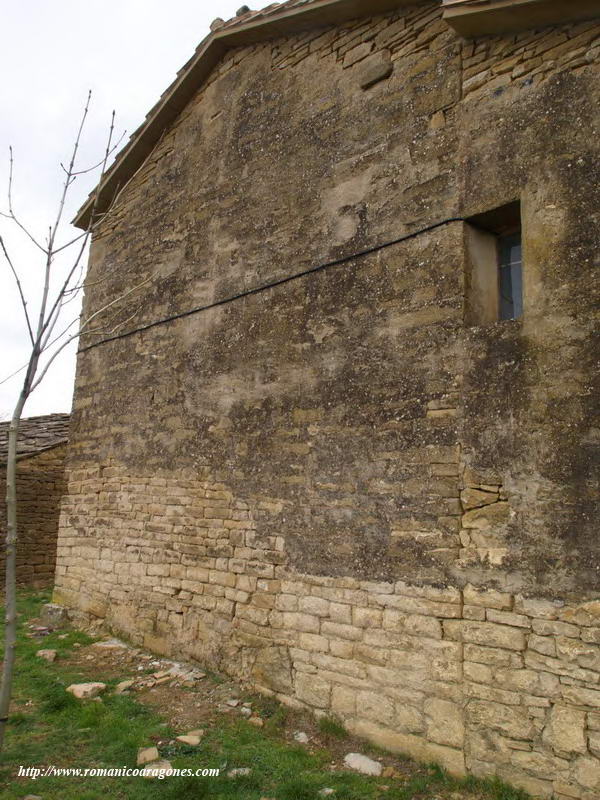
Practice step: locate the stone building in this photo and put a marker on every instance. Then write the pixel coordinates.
(345, 449)
(41, 450)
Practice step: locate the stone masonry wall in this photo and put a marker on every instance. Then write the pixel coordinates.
(40, 486)
(475, 679)
(337, 489)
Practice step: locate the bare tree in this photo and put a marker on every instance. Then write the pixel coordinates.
(48, 335)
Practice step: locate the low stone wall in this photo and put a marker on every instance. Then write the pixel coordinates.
(40, 486)
(476, 679)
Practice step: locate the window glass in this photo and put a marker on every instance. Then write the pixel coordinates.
(510, 281)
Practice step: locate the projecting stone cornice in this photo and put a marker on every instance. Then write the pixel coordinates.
(484, 17)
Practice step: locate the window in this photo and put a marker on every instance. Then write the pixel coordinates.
(510, 276)
(494, 269)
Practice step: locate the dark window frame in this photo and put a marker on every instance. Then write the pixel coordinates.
(494, 254)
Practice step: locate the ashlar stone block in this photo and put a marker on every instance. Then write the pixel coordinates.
(445, 724)
(565, 730)
(313, 690)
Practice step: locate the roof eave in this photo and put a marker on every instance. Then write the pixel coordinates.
(44, 449)
(144, 139)
(313, 15)
(471, 18)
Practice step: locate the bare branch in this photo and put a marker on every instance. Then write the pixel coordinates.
(49, 320)
(67, 281)
(69, 244)
(19, 287)
(114, 329)
(12, 374)
(56, 353)
(102, 173)
(96, 219)
(87, 233)
(104, 308)
(73, 291)
(101, 162)
(118, 299)
(91, 332)
(11, 214)
(61, 204)
(59, 302)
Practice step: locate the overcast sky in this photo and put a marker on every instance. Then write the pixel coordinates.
(127, 52)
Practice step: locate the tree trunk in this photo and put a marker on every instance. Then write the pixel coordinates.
(10, 628)
(42, 340)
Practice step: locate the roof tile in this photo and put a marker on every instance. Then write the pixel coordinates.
(36, 434)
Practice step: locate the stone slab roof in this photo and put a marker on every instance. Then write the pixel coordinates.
(242, 17)
(35, 435)
(467, 17)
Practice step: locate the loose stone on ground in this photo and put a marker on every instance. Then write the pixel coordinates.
(156, 768)
(239, 772)
(363, 764)
(47, 655)
(86, 691)
(146, 755)
(192, 739)
(111, 644)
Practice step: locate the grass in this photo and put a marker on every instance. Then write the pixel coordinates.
(49, 726)
(332, 728)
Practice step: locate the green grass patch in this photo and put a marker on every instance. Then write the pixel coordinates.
(332, 727)
(50, 727)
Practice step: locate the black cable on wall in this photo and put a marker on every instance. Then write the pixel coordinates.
(266, 286)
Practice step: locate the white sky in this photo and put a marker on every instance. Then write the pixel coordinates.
(127, 52)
